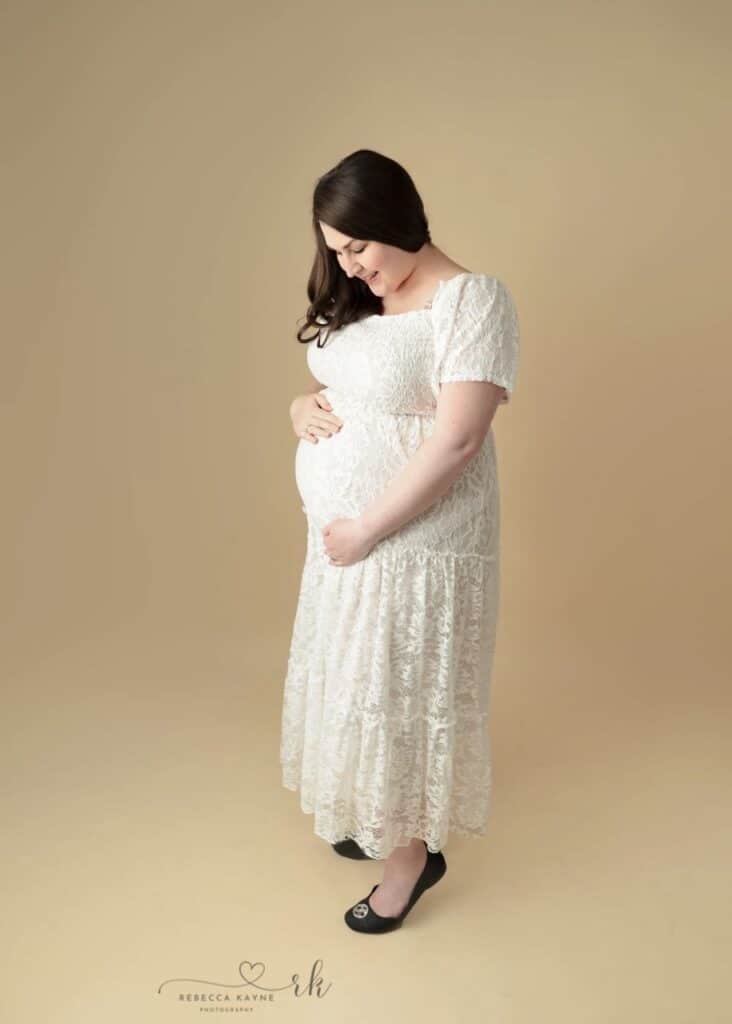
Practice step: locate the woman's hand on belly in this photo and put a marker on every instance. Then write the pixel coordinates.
(312, 417)
(347, 541)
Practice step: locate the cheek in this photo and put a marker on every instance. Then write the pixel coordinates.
(378, 258)
(377, 264)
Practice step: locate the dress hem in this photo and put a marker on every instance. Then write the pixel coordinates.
(338, 836)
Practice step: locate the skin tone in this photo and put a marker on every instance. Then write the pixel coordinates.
(404, 280)
(407, 281)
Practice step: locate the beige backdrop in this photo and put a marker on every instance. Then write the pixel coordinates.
(159, 161)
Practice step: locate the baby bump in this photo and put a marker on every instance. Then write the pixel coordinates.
(343, 473)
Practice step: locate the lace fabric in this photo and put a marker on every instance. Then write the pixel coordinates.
(386, 697)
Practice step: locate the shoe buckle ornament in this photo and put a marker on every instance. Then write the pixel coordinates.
(361, 910)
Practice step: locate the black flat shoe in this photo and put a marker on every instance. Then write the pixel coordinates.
(363, 918)
(350, 848)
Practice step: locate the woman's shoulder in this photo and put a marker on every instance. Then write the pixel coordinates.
(471, 280)
(466, 289)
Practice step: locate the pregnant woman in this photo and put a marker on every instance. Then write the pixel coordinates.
(385, 705)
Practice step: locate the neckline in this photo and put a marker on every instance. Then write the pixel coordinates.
(428, 306)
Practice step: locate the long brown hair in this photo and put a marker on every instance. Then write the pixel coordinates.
(367, 196)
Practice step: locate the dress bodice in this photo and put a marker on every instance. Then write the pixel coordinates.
(394, 363)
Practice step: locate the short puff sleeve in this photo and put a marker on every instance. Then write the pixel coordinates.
(476, 332)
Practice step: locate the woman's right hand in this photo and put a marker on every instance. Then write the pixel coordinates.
(312, 417)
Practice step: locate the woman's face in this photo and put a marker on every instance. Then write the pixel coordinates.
(360, 258)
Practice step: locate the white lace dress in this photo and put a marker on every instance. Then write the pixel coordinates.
(385, 704)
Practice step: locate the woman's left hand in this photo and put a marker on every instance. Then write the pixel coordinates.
(347, 541)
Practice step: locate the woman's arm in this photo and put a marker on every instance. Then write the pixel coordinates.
(465, 411)
(430, 472)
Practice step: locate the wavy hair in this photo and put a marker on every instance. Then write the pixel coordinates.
(367, 196)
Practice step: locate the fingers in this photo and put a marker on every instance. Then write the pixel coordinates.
(323, 426)
(320, 423)
(321, 412)
(324, 417)
(313, 431)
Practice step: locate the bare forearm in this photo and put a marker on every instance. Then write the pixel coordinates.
(428, 475)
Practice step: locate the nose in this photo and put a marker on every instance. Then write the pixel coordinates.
(350, 271)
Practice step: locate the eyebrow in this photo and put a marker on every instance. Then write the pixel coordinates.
(346, 246)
